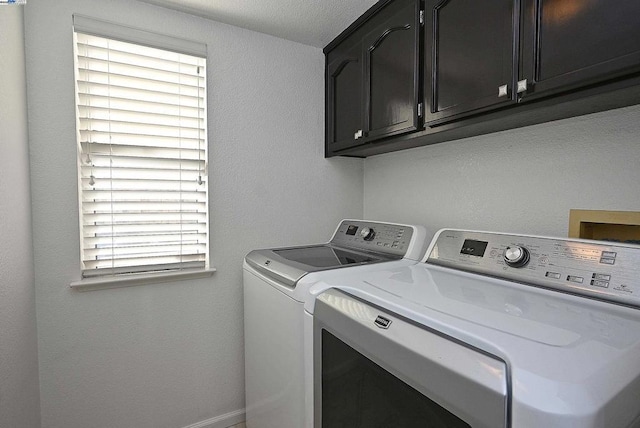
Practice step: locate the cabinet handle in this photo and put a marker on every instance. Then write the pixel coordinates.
(503, 90)
(358, 134)
(522, 86)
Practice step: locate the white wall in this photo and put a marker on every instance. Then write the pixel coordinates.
(524, 180)
(19, 389)
(170, 355)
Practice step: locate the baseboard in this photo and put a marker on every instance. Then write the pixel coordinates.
(223, 421)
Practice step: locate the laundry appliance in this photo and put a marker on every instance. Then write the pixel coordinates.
(276, 282)
(491, 330)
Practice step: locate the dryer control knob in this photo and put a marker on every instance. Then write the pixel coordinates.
(367, 233)
(516, 256)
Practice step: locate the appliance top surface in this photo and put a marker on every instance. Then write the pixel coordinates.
(354, 243)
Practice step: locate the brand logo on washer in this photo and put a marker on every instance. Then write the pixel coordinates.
(382, 322)
(267, 263)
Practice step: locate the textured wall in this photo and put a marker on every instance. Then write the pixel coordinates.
(19, 390)
(170, 355)
(524, 180)
(291, 19)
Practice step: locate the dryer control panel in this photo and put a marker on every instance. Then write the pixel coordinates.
(597, 269)
(378, 237)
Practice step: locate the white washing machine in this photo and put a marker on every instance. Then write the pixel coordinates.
(492, 330)
(276, 282)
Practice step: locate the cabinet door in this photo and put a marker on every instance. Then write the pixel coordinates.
(344, 100)
(471, 57)
(392, 64)
(568, 44)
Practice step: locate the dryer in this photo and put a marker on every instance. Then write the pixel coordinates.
(276, 282)
(491, 330)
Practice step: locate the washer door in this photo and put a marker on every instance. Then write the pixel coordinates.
(375, 369)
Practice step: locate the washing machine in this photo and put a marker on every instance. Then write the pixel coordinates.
(490, 330)
(276, 282)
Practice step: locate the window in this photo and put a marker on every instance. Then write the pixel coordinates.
(142, 152)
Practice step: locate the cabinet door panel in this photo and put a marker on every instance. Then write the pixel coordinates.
(344, 83)
(391, 64)
(470, 55)
(574, 43)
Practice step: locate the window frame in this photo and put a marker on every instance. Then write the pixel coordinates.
(104, 29)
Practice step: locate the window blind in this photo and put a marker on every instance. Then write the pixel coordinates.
(142, 157)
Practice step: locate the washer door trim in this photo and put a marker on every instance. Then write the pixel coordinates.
(469, 384)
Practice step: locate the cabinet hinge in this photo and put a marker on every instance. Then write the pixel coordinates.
(420, 110)
(422, 17)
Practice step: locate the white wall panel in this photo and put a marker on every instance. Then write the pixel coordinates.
(171, 355)
(523, 180)
(19, 389)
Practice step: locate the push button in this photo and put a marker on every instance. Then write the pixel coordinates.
(608, 257)
(576, 279)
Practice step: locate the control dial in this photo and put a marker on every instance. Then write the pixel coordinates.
(516, 256)
(367, 233)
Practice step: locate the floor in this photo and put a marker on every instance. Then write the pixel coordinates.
(240, 425)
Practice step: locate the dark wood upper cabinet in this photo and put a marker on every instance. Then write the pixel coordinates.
(344, 97)
(373, 78)
(415, 72)
(569, 44)
(391, 73)
(470, 55)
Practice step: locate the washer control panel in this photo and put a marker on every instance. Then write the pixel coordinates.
(602, 270)
(373, 236)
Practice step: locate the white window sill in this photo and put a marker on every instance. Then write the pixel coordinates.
(104, 282)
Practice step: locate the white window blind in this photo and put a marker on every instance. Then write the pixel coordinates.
(142, 157)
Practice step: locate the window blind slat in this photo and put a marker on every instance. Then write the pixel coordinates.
(134, 195)
(132, 128)
(109, 231)
(148, 172)
(132, 106)
(142, 160)
(147, 251)
(120, 185)
(121, 177)
(128, 77)
(138, 264)
(103, 160)
(100, 269)
(160, 239)
(184, 120)
(95, 88)
(142, 206)
(127, 145)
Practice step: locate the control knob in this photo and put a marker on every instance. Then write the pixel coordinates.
(367, 233)
(516, 256)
